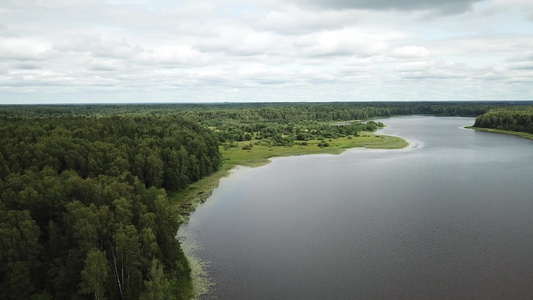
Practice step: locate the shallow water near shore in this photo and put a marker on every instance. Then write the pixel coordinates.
(449, 217)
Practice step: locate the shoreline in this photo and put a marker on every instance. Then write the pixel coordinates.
(185, 202)
(525, 135)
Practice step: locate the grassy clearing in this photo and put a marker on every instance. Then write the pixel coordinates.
(517, 133)
(259, 154)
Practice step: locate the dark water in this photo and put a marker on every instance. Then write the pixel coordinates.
(449, 218)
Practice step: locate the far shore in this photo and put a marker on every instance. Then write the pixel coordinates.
(517, 133)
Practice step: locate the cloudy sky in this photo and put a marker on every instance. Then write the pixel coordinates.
(85, 51)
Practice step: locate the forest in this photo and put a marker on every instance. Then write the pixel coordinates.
(84, 211)
(213, 113)
(519, 119)
(278, 122)
(84, 189)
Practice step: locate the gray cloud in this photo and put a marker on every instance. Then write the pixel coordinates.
(296, 21)
(27, 66)
(526, 65)
(103, 67)
(442, 6)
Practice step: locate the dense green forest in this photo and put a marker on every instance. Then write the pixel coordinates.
(278, 122)
(83, 212)
(84, 209)
(518, 119)
(285, 112)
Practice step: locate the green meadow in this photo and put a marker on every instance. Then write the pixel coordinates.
(259, 153)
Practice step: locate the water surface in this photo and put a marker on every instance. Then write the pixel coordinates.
(450, 217)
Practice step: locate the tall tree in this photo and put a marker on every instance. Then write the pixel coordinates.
(95, 274)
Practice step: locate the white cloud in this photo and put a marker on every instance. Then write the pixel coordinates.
(242, 42)
(416, 66)
(94, 45)
(346, 42)
(410, 52)
(23, 49)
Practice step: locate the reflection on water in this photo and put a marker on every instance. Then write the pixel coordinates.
(447, 218)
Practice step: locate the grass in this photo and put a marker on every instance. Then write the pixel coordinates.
(259, 154)
(517, 133)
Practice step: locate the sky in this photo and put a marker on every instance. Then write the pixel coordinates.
(128, 51)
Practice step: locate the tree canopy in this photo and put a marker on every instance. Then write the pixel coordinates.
(518, 119)
(84, 211)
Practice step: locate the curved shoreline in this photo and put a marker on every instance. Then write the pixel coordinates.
(186, 202)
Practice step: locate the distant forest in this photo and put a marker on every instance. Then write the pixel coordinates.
(84, 212)
(293, 111)
(273, 121)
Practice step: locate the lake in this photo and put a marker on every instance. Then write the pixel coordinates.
(450, 217)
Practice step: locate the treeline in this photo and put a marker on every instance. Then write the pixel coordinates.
(284, 112)
(83, 212)
(513, 119)
(328, 112)
(282, 123)
(275, 134)
(246, 121)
